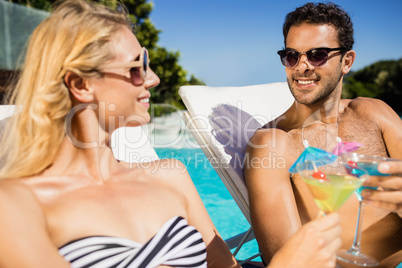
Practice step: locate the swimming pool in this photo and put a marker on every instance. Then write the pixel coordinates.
(225, 214)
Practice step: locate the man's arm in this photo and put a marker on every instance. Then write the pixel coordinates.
(391, 128)
(390, 125)
(273, 207)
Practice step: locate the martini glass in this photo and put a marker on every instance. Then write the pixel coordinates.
(354, 163)
(330, 184)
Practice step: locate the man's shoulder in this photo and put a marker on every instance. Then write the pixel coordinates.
(272, 140)
(363, 102)
(367, 107)
(266, 134)
(278, 133)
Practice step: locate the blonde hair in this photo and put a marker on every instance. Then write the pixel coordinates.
(75, 37)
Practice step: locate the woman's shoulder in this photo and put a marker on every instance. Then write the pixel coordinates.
(14, 190)
(161, 167)
(20, 204)
(23, 225)
(165, 171)
(171, 170)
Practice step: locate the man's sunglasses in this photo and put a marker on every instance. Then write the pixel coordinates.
(138, 68)
(316, 56)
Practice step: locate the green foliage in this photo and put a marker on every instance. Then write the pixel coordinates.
(163, 62)
(380, 80)
(38, 4)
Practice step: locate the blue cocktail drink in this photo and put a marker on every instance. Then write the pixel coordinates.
(354, 164)
(366, 162)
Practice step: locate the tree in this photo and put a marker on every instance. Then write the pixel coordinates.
(163, 62)
(38, 4)
(380, 80)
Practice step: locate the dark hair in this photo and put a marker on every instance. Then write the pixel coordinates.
(322, 13)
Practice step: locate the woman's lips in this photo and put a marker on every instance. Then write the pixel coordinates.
(144, 102)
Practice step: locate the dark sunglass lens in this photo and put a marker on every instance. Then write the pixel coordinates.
(291, 58)
(317, 57)
(282, 56)
(135, 73)
(145, 64)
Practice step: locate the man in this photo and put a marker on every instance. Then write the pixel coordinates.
(318, 53)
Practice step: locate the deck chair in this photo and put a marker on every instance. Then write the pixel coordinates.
(222, 120)
(132, 145)
(6, 111)
(129, 144)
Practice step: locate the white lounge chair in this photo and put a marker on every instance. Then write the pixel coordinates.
(132, 145)
(222, 120)
(129, 144)
(6, 111)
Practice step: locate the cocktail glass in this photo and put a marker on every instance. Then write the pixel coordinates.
(330, 184)
(354, 163)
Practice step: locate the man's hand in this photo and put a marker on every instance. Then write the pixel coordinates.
(389, 194)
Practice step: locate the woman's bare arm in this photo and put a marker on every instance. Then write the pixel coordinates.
(24, 238)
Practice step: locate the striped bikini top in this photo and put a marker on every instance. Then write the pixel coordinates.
(176, 244)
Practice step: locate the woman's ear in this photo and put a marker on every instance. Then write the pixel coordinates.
(348, 60)
(78, 87)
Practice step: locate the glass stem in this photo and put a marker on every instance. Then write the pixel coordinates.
(358, 234)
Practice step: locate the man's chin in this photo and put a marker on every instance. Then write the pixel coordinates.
(305, 99)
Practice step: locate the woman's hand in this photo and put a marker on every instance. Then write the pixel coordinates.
(389, 194)
(314, 245)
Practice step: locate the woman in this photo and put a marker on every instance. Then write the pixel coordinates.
(85, 75)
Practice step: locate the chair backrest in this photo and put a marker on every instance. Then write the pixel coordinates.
(223, 119)
(6, 111)
(132, 145)
(129, 144)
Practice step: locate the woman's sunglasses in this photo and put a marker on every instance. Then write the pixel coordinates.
(316, 56)
(138, 68)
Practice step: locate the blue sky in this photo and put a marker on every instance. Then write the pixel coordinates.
(234, 42)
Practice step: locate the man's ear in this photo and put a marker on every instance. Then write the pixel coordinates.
(78, 87)
(348, 60)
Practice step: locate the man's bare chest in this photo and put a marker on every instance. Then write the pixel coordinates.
(326, 136)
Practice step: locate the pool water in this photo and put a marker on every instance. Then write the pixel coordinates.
(222, 209)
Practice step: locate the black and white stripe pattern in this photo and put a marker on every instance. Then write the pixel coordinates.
(176, 244)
